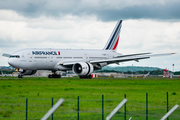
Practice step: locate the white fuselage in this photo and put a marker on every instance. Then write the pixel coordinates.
(51, 59)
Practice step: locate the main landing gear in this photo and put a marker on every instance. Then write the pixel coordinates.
(20, 76)
(54, 75)
(85, 76)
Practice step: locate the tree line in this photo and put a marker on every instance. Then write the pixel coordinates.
(153, 72)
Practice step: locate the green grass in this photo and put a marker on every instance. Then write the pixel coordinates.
(40, 91)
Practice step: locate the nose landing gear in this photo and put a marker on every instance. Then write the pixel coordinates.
(20, 74)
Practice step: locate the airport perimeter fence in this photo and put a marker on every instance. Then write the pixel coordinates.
(16, 108)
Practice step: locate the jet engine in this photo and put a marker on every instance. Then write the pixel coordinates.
(83, 68)
(28, 72)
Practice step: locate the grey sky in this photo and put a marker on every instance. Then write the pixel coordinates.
(104, 10)
(148, 26)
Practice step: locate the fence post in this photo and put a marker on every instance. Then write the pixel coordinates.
(102, 107)
(78, 108)
(146, 106)
(125, 108)
(53, 109)
(167, 106)
(116, 109)
(52, 106)
(170, 112)
(26, 108)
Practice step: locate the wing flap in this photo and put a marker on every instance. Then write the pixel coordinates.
(116, 60)
(132, 55)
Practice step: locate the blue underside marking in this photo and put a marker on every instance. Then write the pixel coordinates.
(113, 35)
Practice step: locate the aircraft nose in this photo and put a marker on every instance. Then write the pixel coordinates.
(11, 62)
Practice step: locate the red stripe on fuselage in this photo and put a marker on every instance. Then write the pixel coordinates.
(116, 44)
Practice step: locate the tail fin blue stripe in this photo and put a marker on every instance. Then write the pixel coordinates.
(115, 38)
(114, 35)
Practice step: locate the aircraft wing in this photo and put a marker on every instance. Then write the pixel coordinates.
(128, 58)
(123, 58)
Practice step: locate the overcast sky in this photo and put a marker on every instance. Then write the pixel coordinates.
(148, 26)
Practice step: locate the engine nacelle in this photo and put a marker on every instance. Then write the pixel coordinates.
(83, 68)
(28, 72)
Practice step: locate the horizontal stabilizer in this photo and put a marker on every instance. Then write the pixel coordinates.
(6, 55)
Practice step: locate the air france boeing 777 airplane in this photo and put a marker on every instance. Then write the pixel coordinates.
(82, 62)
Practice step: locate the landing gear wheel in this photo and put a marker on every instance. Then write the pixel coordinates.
(54, 76)
(49, 76)
(85, 76)
(90, 76)
(20, 76)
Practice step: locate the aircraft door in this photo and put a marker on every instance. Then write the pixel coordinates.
(31, 62)
(24, 63)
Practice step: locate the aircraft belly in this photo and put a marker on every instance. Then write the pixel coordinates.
(43, 64)
(63, 68)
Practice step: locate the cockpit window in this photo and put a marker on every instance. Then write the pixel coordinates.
(14, 56)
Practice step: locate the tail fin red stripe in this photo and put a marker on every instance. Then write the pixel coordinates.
(116, 44)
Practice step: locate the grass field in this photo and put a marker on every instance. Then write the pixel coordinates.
(40, 91)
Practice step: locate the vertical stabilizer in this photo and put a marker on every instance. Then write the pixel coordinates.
(113, 40)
